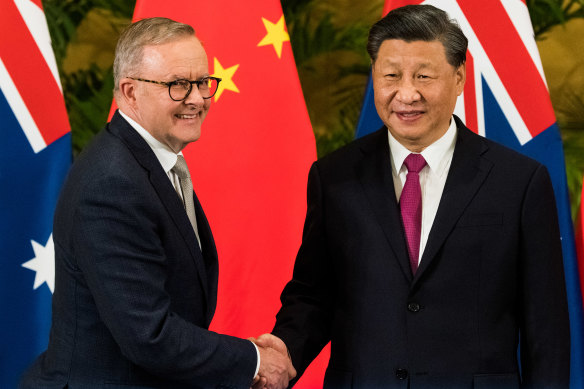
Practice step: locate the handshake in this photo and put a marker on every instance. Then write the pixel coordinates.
(276, 368)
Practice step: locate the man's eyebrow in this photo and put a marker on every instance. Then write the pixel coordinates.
(421, 66)
(177, 77)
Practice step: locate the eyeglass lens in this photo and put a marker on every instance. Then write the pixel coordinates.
(180, 88)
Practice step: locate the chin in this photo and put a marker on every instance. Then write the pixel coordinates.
(195, 137)
(192, 139)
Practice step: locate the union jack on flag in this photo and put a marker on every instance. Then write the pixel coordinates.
(506, 99)
(35, 154)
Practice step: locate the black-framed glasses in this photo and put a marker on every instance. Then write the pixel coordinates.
(178, 90)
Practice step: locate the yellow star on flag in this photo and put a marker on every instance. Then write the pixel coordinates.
(226, 76)
(276, 35)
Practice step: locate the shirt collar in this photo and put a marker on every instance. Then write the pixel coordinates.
(164, 154)
(437, 155)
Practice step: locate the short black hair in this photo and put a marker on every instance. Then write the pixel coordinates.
(420, 23)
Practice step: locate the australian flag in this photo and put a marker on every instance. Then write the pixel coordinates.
(35, 154)
(506, 99)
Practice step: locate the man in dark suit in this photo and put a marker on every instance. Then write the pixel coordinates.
(429, 253)
(136, 265)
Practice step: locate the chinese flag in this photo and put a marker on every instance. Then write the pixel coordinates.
(250, 166)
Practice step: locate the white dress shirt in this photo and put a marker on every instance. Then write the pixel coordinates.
(167, 159)
(438, 157)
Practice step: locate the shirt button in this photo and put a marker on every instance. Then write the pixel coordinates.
(414, 307)
(401, 374)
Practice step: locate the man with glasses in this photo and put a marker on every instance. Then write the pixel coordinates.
(135, 262)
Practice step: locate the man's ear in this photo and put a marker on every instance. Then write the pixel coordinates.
(127, 91)
(460, 78)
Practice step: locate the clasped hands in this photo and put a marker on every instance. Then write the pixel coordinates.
(276, 368)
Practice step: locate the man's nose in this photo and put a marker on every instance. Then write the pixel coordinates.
(194, 97)
(407, 91)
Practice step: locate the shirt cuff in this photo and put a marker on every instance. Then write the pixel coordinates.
(257, 370)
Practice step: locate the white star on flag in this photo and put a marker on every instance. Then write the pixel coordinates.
(43, 263)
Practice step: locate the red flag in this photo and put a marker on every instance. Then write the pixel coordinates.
(250, 166)
(580, 241)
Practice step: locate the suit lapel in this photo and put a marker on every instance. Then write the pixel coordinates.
(467, 173)
(209, 256)
(374, 171)
(159, 180)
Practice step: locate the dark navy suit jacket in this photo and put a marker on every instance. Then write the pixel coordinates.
(490, 278)
(134, 295)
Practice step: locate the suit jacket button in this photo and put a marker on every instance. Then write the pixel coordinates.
(401, 374)
(413, 307)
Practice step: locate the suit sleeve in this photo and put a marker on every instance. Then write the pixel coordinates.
(545, 332)
(119, 251)
(304, 320)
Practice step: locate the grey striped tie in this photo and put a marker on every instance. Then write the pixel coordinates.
(182, 171)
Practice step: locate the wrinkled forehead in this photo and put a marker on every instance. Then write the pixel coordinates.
(179, 55)
(391, 49)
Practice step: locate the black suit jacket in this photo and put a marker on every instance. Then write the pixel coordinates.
(491, 275)
(134, 295)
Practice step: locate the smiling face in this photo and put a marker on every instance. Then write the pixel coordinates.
(174, 123)
(415, 90)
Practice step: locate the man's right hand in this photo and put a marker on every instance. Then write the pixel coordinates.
(275, 364)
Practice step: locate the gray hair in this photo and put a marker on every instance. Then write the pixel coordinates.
(420, 23)
(150, 31)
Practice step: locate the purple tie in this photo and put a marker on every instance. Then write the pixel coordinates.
(410, 204)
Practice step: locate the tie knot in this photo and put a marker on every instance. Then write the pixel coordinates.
(415, 163)
(180, 167)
